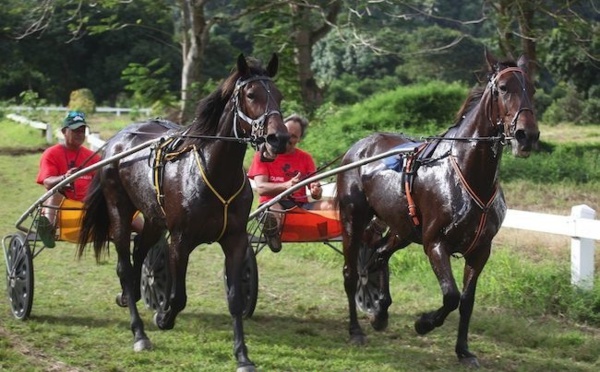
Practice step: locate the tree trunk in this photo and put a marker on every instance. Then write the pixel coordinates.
(194, 39)
(305, 38)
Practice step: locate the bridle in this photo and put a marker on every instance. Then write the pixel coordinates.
(524, 105)
(257, 134)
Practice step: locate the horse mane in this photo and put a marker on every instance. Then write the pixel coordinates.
(476, 93)
(211, 108)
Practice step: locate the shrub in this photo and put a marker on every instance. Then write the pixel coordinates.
(82, 100)
(562, 163)
(415, 110)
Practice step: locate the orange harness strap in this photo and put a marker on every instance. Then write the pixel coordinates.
(412, 207)
(483, 206)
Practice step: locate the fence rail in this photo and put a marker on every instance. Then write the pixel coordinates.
(115, 110)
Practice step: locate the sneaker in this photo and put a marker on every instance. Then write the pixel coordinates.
(271, 231)
(46, 231)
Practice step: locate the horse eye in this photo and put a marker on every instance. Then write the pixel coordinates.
(503, 88)
(251, 95)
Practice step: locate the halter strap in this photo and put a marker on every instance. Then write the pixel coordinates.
(492, 84)
(258, 124)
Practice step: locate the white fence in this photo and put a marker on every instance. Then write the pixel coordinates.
(581, 225)
(115, 110)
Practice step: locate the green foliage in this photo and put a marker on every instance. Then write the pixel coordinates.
(414, 110)
(149, 85)
(82, 100)
(568, 163)
(31, 99)
(566, 107)
(540, 287)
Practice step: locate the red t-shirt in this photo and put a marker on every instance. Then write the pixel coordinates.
(58, 159)
(284, 168)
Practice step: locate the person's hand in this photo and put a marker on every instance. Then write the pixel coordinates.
(294, 180)
(315, 190)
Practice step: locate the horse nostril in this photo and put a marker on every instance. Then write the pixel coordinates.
(521, 136)
(278, 141)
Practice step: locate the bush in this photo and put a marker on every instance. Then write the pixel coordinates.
(82, 100)
(571, 163)
(416, 110)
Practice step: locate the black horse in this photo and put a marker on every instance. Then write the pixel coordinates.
(191, 183)
(446, 197)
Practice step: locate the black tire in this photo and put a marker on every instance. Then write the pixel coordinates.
(19, 276)
(368, 287)
(154, 280)
(249, 282)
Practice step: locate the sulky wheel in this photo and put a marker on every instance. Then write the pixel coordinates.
(373, 279)
(249, 282)
(19, 276)
(155, 277)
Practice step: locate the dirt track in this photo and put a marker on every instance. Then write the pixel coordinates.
(18, 151)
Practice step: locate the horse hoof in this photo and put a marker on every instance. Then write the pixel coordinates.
(470, 362)
(121, 300)
(246, 368)
(142, 345)
(358, 340)
(422, 327)
(379, 322)
(159, 321)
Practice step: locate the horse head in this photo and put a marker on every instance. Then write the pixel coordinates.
(257, 102)
(513, 92)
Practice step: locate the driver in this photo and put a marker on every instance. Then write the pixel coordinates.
(59, 162)
(289, 168)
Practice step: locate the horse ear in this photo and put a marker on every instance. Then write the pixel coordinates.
(242, 65)
(523, 63)
(491, 60)
(273, 65)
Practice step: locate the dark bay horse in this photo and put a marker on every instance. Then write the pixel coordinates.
(191, 183)
(448, 199)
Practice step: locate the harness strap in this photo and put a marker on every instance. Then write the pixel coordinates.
(158, 167)
(483, 206)
(412, 207)
(211, 187)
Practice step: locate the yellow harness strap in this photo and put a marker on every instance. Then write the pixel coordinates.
(210, 186)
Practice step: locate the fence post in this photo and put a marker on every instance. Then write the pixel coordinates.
(49, 137)
(582, 252)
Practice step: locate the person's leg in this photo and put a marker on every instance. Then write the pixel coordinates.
(272, 222)
(46, 221)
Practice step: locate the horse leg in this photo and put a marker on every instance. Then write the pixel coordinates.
(350, 272)
(474, 264)
(127, 278)
(234, 248)
(177, 259)
(440, 263)
(142, 243)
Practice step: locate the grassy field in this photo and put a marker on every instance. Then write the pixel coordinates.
(300, 323)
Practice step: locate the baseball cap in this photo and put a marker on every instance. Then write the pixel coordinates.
(74, 120)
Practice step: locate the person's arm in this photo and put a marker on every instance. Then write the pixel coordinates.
(266, 188)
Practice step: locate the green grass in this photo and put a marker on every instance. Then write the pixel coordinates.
(526, 318)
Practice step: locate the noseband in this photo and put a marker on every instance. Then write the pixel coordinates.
(509, 130)
(257, 135)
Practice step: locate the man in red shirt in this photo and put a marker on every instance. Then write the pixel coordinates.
(59, 162)
(289, 168)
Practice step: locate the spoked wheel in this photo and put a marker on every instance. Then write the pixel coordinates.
(155, 277)
(371, 274)
(19, 276)
(249, 282)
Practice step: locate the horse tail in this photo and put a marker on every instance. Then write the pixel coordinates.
(95, 224)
